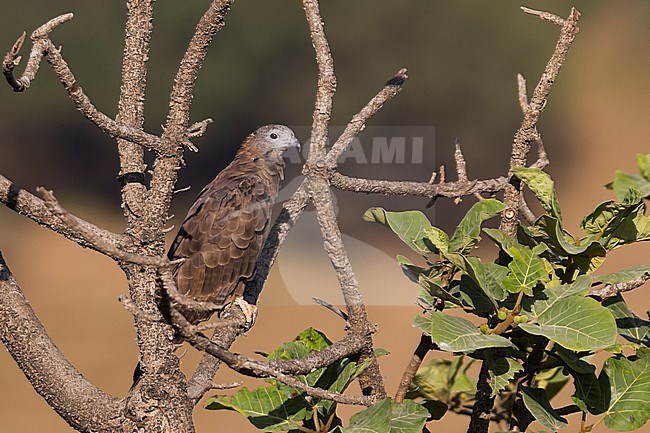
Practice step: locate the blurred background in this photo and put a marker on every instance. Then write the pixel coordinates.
(463, 58)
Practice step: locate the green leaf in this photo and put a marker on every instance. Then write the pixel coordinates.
(551, 380)
(501, 238)
(625, 275)
(589, 394)
(554, 292)
(410, 226)
(526, 270)
(467, 233)
(301, 346)
(502, 371)
(488, 276)
(629, 380)
(455, 334)
(436, 290)
(630, 326)
(410, 270)
(623, 182)
(612, 224)
(388, 416)
(475, 297)
(443, 380)
(438, 238)
(643, 160)
(541, 184)
(572, 360)
(537, 403)
(423, 324)
(267, 408)
(577, 323)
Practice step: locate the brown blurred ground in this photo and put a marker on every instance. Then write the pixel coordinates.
(462, 59)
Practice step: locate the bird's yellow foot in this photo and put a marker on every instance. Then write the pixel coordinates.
(249, 310)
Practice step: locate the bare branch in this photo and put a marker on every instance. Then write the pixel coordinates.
(609, 290)
(461, 165)
(528, 214)
(43, 46)
(523, 96)
(424, 346)
(421, 189)
(79, 402)
(527, 132)
(289, 214)
(24, 203)
(326, 84)
(358, 122)
(89, 233)
(333, 308)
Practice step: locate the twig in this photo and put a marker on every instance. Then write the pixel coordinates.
(421, 189)
(278, 369)
(333, 308)
(228, 385)
(609, 290)
(91, 237)
(43, 46)
(527, 132)
(414, 364)
(528, 214)
(523, 96)
(461, 165)
(24, 203)
(358, 122)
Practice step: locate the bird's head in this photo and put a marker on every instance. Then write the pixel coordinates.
(275, 138)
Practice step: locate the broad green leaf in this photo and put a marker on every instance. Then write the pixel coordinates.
(455, 334)
(469, 229)
(436, 290)
(537, 403)
(572, 360)
(423, 324)
(643, 160)
(541, 184)
(630, 326)
(577, 323)
(559, 240)
(443, 380)
(488, 276)
(307, 341)
(554, 292)
(438, 238)
(475, 297)
(410, 226)
(612, 224)
(551, 380)
(625, 275)
(502, 370)
(411, 270)
(526, 270)
(388, 416)
(623, 182)
(268, 408)
(642, 224)
(589, 395)
(501, 238)
(629, 380)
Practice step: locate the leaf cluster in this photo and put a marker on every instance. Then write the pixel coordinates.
(531, 319)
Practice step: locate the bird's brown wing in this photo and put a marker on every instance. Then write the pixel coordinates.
(221, 239)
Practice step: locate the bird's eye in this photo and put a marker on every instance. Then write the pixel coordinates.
(274, 136)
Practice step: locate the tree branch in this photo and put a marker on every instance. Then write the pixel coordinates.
(76, 229)
(527, 132)
(43, 46)
(358, 122)
(78, 402)
(424, 346)
(609, 290)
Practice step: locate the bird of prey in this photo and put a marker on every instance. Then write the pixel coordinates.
(224, 230)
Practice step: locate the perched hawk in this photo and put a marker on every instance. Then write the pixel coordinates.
(224, 230)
